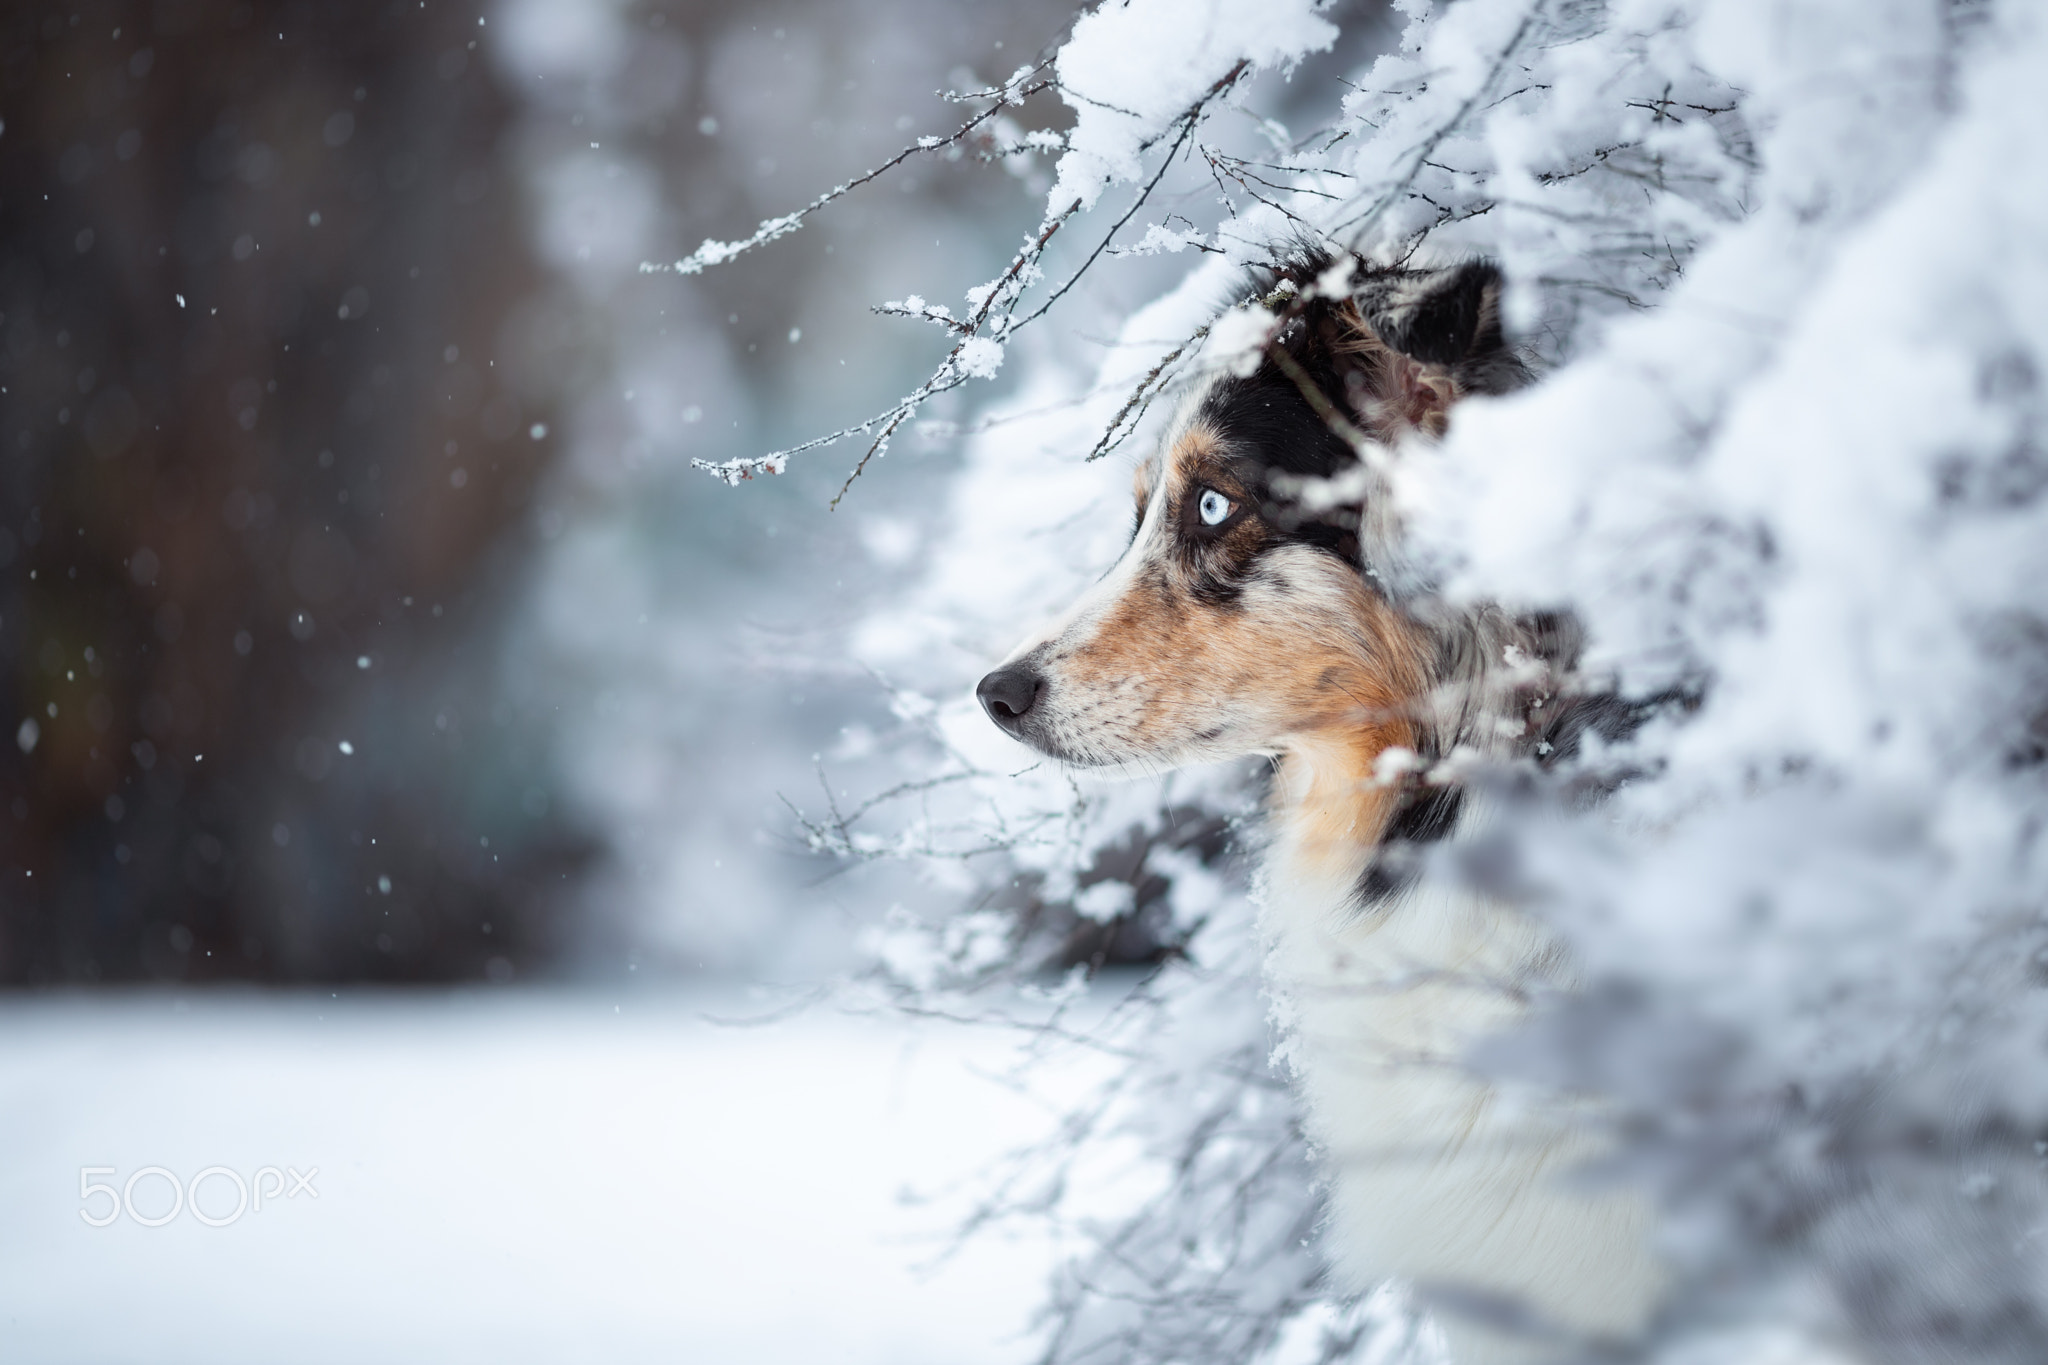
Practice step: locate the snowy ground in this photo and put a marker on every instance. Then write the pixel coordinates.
(501, 1177)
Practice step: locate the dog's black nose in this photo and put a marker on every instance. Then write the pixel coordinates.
(1008, 694)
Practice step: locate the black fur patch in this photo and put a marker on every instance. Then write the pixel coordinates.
(1269, 427)
(1448, 317)
(1425, 816)
(1269, 424)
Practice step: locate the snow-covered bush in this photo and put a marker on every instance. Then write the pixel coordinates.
(679, 643)
(1782, 267)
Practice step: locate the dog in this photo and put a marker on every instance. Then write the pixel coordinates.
(1251, 615)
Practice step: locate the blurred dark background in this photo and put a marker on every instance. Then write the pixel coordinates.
(321, 327)
(256, 261)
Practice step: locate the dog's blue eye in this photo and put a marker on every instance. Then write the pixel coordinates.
(1214, 507)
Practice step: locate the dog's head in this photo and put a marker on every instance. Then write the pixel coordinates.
(1238, 620)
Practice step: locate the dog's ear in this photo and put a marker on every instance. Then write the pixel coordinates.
(1392, 349)
(1439, 338)
(1449, 317)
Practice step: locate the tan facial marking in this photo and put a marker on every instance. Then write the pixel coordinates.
(1156, 666)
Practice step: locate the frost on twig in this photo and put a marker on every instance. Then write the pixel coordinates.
(916, 307)
(1027, 82)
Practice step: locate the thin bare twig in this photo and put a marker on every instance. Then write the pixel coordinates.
(1358, 223)
(1186, 123)
(1014, 91)
(1142, 397)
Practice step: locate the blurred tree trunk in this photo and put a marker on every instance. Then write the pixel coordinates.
(254, 264)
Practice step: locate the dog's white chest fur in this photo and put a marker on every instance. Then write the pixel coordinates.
(1436, 1178)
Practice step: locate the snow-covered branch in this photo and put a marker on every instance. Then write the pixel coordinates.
(1780, 269)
